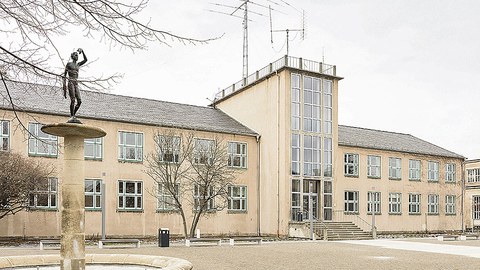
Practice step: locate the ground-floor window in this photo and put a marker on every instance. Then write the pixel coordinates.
(165, 197)
(374, 201)
(414, 203)
(130, 195)
(395, 203)
(450, 204)
(327, 200)
(237, 198)
(45, 195)
(93, 194)
(351, 202)
(202, 197)
(433, 204)
(476, 207)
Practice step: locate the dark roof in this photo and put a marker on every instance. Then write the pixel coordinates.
(391, 141)
(104, 106)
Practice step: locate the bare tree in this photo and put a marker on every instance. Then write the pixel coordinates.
(193, 173)
(18, 177)
(29, 29)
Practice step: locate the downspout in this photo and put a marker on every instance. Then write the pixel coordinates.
(259, 231)
(278, 153)
(463, 196)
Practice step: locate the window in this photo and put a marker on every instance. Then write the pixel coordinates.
(237, 155)
(93, 194)
(414, 203)
(450, 204)
(473, 175)
(202, 198)
(93, 148)
(433, 171)
(4, 135)
(237, 198)
(374, 198)
(311, 104)
(351, 165)
(432, 204)
(311, 155)
(130, 146)
(351, 202)
(476, 207)
(450, 172)
(296, 195)
(373, 166)
(327, 106)
(40, 143)
(295, 102)
(295, 154)
(165, 198)
(327, 200)
(414, 170)
(45, 195)
(130, 195)
(203, 151)
(169, 148)
(395, 168)
(395, 203)
(327, 157)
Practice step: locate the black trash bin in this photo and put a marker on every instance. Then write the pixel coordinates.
(163, 237)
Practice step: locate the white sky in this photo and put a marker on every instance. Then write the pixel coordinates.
(409, 65)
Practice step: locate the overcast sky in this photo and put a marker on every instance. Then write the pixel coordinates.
(410, 66)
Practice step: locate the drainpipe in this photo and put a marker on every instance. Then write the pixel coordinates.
(278, 153)
(463, 196)
(259, 231)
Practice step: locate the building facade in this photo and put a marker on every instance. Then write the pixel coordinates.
(296, 162)
(472, 194)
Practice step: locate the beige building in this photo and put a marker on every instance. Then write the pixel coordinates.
(472, 194)
(298, 162)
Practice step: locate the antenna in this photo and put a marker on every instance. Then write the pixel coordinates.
(287, 31)
(244, 6)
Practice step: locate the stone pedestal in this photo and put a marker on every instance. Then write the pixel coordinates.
(72, 242)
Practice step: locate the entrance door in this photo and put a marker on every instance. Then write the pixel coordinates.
(310, 193)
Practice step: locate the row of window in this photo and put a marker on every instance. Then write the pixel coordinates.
(374, 201)
(312, 155)
(130, 196)
(374, 165)
(130, 146)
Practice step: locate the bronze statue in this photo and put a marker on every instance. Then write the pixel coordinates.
(72, 70)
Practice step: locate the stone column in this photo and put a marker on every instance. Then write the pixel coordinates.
(72, 241)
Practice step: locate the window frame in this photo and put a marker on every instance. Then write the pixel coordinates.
(450, 173)
(473, 175)
(395, 203)
(432, 205)
(354, 164)
(122, 147)
(312, 123)
(204, 154)
(433, 173)
(233, 145)
(242, 198)
(96, 195)
(351, 202)
(196, 198)
(50, 142)
(295, 164)
(313, 167)
(414, 174)
(4, 136)
(96, 142)
(51, 191)
(377, 202)
(173, 151)
(414, 205)
(163, 197)
(394, 168)
(371, 166)
(450, 205)
(122, 196)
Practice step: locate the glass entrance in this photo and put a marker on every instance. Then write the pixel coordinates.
(310, 193)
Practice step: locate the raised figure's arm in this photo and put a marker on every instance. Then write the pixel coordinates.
(84, 57)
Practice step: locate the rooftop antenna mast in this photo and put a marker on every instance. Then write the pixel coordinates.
(244, 7)
(287, 31)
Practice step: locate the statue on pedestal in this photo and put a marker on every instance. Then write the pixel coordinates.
(71, 69)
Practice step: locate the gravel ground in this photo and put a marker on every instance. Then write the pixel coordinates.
(293, 255)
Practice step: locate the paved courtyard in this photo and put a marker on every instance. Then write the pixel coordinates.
(364, 254)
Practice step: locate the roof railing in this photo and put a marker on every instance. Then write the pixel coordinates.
(286, 61)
